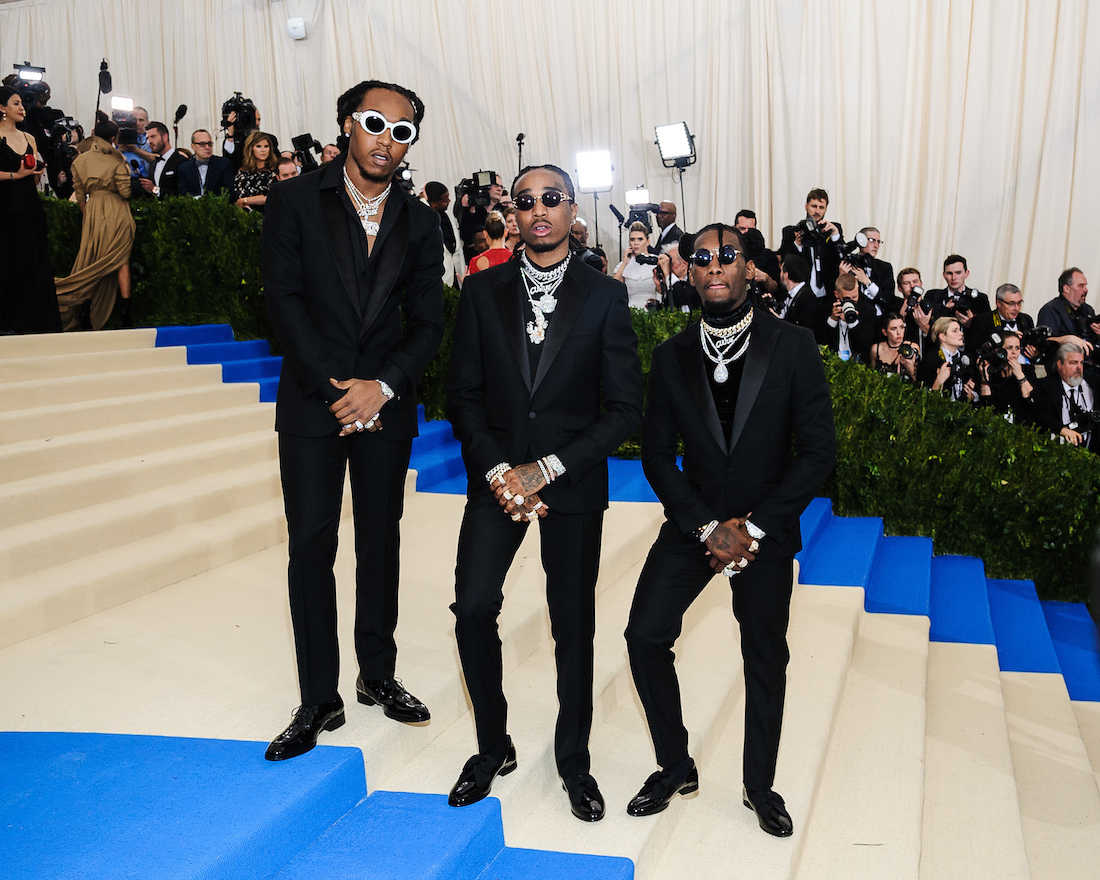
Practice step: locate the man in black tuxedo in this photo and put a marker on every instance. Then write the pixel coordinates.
(544, 384)
(737, 392)
(206, 173)
(1007, 316)
(163, 179)
(820, 247)
(352, 269)
(875, 276)
(667, 230)
(800, 306)
(1063, 399)
(849, 333)
(956, 300)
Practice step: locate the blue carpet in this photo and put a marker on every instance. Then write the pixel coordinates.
(244, 361)
(901, 575)
(959, 603)
(1022, 637)
(1074, 636)
(842, 553)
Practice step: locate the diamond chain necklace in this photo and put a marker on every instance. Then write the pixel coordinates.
(719, 341)
(540, 286)
(364, 207)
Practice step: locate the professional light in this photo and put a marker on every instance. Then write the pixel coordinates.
(28, 73)
(123, 105)
(594, 171)
(676, 144)
(639, 196)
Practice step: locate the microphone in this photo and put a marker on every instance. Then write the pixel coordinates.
(519, 138)
(137, 168)
(618, 214)
(104, 78)
(181, 111)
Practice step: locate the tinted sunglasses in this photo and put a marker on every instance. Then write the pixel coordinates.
(551, 199)
(727, 254)
(375, 123)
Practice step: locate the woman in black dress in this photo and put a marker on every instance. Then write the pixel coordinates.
(251, 185)
(28, 300)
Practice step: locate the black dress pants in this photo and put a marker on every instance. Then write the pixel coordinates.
(675, 573)
(312, 471)
(487, 544)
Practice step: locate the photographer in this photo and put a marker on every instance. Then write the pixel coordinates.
(957, 300)
(240, 117)
(818, 240)
(894, 356)
(849, 326)
(947, 368)
(671, 279)
(800, 305)
(1068, 316)
(875, 276)
(636, 268)
(1065, 402)
(1007, 316)
(1006, 384)
(763, 277)
(918, 323)
(481, 193)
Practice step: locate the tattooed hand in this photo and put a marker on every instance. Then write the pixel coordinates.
(730, 542)
(521, 482)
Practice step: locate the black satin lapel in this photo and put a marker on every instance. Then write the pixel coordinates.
(571, 295)
(757, 359)
(390, 248)
(690, 356)
(507, 295)
(340, 243)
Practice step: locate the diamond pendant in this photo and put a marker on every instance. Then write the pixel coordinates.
(547, 303)
(370, 227)
(535, 333)
(721, 374)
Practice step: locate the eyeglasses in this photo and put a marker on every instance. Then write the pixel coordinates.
(551, 199)
(202, 143)
(375, 123)
(727, 255)
(874, 241)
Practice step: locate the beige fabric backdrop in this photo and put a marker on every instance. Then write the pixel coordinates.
(952, 126)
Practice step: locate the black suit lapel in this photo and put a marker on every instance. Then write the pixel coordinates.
(389, 252)
(689, 353)
(339, 238)
(571, 295)
(507, 296)
(757, 358)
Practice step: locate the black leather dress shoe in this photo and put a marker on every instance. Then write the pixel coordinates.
(395, 701)
(661, 787)
(476, 779)
(301, 735)
(770, 811)
(585, 799)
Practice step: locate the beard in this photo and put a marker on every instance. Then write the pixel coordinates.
(1074, 381)
(374, 174)
(542, 246)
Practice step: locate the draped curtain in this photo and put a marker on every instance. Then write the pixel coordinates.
(967, 127)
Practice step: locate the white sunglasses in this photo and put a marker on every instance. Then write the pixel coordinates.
(375, 123)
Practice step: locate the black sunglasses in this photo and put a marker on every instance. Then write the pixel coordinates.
(727, 254)
(551, 198)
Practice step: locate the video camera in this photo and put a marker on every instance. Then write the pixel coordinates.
(245, 122)
(60, 137)
(476, 186)
(302, 144)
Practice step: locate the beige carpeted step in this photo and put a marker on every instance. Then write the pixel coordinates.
(1088, 722)
(865, 818)
(42, 344)
(971, 822)
(85, 387)
(51, 366)
(1059, 800)
(120, 411)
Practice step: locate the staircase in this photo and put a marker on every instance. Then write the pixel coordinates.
(938, 724)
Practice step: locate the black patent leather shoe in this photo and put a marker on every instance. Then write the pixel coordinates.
(476, 779)
(585, 799)
(396, 702)
(770, 811)
(301, 735)
(661, 787)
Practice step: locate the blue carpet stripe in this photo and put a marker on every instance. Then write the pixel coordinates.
(1022, 636)
(1073, 634)
(960, 606)
(843, 554)
(244, 361)
(901, 575)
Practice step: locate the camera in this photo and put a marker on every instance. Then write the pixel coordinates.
(767, 300)
(1036, 336)
(918, 297)
(907, 351)
(848, 311)
(302, 144)
(1082, 419)
(476, 186)
(852, 252)
(127, 127)
(63, 146)
(993, 353)
(245, 122)
(646, 259)
(964, 302)
(960, 370)
(640, 214)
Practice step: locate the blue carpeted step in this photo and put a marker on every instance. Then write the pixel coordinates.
(251, 369)
(436, 465)
(451, 486)
(269, 389)
(1073, 634)
(900, 577)
(1019, 627)
(434, 435)
(198, 334)
(960, 603)
(627, 482)
(529, 864)
(818, 512)
(95, 805)
(220, 352)
(842, 552)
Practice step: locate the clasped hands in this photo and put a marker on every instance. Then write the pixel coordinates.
(517, 492)
(730, 546)
(359, 409)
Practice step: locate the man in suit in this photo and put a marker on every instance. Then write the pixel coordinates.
(352, 269)
(162, 179)
(956, 300)
(1069, 317)
(1007, 316)
(875, 276)
(849, 333)
(544, 384)
(820, 247)
(206, 173)
(736, 391)
(1063, 400)
(800, 306)
(667, 230)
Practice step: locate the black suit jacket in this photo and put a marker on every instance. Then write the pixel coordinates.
(333, 324)
(169, 177)
(804, 309)
(828, 255)
(219, 177)
(983, 326)
(583, 401)
(783, 394)
(861, 336)
(882, 274)
(675, 233)
(1045, 409)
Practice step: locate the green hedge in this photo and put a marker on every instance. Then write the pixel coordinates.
(966, 478)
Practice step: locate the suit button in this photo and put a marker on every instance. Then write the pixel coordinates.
(530, 415)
